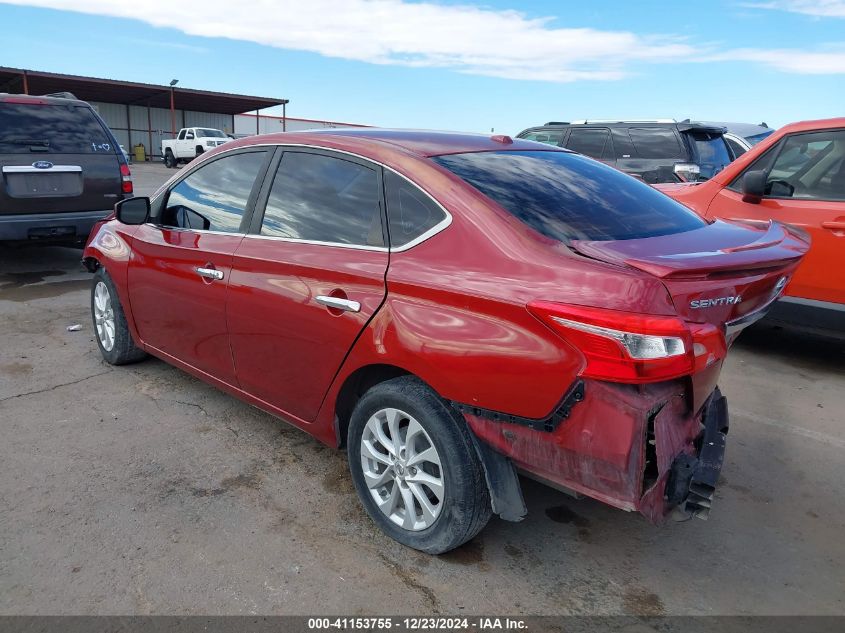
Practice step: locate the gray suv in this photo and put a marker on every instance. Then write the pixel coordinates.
(656, 150)
(61, 169)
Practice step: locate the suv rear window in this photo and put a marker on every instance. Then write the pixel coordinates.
(712, 153)
(61, 129)
(568, 197)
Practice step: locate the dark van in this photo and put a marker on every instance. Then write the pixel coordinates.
(61, 169)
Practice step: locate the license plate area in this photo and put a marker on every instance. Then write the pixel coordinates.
(45, 185)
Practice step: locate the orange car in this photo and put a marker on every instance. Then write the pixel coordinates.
(797, 176)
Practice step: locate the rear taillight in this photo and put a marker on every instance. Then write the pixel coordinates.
(688, 172)
(126, 178)
(632, 348)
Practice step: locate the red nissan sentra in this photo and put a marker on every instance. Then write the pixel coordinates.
(451, 308)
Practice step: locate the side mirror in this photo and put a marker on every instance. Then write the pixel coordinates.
(189, 136)
(754, 186)
(133, 211)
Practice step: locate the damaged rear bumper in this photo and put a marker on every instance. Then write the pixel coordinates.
(638, 448)
(692, 478)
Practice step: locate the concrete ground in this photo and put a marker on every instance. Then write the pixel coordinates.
(139, 489)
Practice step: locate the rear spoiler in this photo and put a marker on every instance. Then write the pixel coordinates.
(686, 126)
(775, 246)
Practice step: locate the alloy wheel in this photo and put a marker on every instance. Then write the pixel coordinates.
(402, 469)
(104, 316)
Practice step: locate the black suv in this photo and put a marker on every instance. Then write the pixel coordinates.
(659, 150)
(62, 169)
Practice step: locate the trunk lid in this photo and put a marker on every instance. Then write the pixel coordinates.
(719, 273)
(53, 183)
(725, 274)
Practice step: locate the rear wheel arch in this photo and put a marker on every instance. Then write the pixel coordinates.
(499, 472)
(354, 387)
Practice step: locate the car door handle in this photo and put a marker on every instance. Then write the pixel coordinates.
(337, 303)
(834, 226)
(210, 273)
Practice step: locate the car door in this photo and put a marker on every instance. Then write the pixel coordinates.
(307, 278)
(182, 259)
(805, 187)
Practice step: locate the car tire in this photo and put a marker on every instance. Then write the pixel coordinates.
(110, 328)
(451, 478)
(169, 159)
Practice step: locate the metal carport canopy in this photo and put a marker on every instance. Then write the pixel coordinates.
(18, 80)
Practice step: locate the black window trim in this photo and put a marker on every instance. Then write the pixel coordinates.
(254, 231)
(777, 148)
(159, 205)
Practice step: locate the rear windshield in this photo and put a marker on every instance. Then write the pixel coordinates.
(208, 133)
(566, 197)
(712, 153)
(57, 129)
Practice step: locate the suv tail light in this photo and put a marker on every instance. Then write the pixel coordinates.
(126, 178)
(633, 348)
(688, 172)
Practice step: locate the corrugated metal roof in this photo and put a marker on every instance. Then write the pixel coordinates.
(129, 92)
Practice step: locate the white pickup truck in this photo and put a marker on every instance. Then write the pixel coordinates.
(190, 143)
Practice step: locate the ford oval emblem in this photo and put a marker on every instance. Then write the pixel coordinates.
(42, 164)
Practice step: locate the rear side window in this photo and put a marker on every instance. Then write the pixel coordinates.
(410, 211)
(215, 196)
(57, 129)
(712, 152)
(655, 142)
(207, 133)
(325, 199)
(737, 149)
(590, 141)
(549, 137)
(568, 197)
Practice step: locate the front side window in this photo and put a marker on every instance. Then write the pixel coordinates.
(549, 137)
(655, 142)
(410, 212)
(29, 128)
(810, 166)
(215, 196)
(590, 141)
(568, 197)
(324, 199)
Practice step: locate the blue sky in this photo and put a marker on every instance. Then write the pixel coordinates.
(464, 66)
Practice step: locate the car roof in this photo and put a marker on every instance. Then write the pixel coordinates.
(817, 124)
(422, 143)
(43, 100)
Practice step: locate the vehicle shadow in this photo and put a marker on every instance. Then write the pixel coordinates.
(808, 350)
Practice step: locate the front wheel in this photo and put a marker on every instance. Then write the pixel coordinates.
(110, 327)
(415, 468)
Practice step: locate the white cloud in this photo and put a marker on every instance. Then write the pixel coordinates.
(818, 8)
(468, 39)
(498, 43)
(829, 62)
